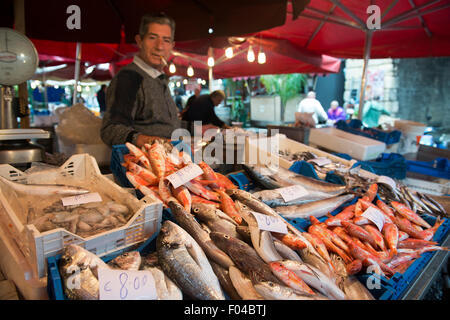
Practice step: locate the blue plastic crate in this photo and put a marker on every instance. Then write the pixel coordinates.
(439, 167)
(355, 126)
(55, 289)
(392, 165)
(241, 180)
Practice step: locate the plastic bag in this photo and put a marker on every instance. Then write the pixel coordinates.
(78, 125)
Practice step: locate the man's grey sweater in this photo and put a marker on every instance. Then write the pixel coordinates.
(137, 103)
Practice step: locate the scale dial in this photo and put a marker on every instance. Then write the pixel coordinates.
(18, 57)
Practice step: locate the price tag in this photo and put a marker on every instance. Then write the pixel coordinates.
(82, 199)
(184, 175)
(270, 223)
(387, 180)
(375, 216)
(321, 161)
(126, 285)
(292, 192)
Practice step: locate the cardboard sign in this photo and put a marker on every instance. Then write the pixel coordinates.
(270, 223)
(184, 175)
(375, 216)
(82, 199)
(292, 192)
(126, 285)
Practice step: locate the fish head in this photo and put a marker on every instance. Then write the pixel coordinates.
(128, 260)
(203, 210)
(221, 240)
(231, 192)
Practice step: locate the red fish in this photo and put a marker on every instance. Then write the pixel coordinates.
(407, 213)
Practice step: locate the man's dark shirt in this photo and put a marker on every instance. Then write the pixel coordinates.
(101, 98)
(202, 109)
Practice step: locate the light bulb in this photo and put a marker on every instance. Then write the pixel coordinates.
(229, 52)
(250, 55)
(199, 80)
(79, 88)
(190, 71)
(203, 82)
(210, 62)
(261, 57)
(210, 30)
(172, 68)
(178, 84)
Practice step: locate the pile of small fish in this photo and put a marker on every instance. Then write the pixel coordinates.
(148, 167)
(403, 238)
(84, 220)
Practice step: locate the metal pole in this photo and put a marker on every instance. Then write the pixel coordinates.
(77, 72)
(367, 47)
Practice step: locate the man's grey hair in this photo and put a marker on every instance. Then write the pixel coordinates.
(334, 103)
(159, 18)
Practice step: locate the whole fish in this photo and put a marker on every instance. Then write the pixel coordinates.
(264, 180)
(188, 223)
(225, 281)
(315, 278)
(156, 155)
(244, 257)
(289, 278)
(198, 189)
(166, 289)
(261, 239)
(209, 174)
(79, 272)
(141, 157)
(182, 259)
(227, 206)
(143, 173)
(273, 291)
(287, 177)
(44, 189)
(126, 261)
(286, 252)
(215, 219)
(243, 285)
(409, 214)
(183, 195)
(317, 208)
(350, 285)
(273, 198)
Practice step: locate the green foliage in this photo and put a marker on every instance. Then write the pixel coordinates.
(287, 86)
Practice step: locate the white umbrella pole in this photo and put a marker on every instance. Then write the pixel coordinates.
(210, 73)
(77, 72)
(367, 47)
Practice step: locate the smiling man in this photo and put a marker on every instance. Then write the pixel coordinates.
(139, 104)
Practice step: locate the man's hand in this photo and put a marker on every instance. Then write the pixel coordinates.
(143, 139)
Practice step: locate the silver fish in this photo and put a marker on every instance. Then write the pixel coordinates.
(286, 252)
(243, 285)
(274, 291)
(44, 189)
(127, 261)
(273, 198)
(352, 287)
(188, 223)
(315, 278)
(182, 259)
(79, 272)
(215, 219)
(166, 289)
(316, 209)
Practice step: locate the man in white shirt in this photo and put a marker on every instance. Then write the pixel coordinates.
(311, 105)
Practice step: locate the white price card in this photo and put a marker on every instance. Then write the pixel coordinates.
(321, 161)
(82, 199)
(292, 192)
(375, 216)
(184, 175)
(270, 223)
(126, 285)
(387, 180)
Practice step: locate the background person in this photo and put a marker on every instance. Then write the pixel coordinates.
(311, 105)
(335, 112)
(140, 107)
(101, 99)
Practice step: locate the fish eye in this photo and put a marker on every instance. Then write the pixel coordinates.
(271, 284)
(196, 210)
(226, 236)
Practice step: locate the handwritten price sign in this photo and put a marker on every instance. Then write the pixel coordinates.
(81, 199)
(184, 175)
(292, 192)
(126, 285)
(270, 223)
(375, 216)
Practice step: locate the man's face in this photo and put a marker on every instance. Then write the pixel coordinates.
(157, 42)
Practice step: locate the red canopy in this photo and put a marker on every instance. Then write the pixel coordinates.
(409, 28)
